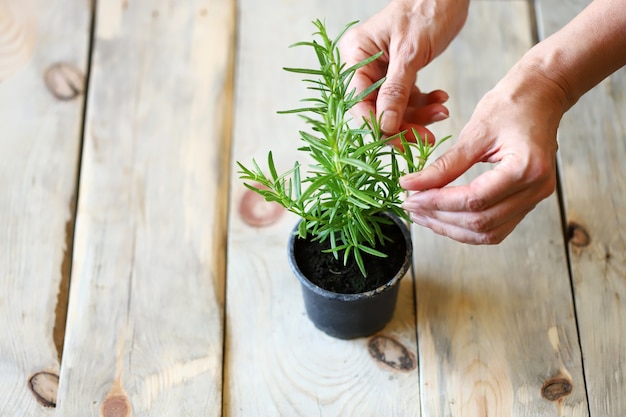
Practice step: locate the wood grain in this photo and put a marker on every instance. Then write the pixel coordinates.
(39, 151)
(592, 139)
(145, 319)
(18, 32)
(496, 326)
(276, 362)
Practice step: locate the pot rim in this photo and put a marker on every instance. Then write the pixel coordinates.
(356, 296)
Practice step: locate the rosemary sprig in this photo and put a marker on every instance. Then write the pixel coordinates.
(355, 173)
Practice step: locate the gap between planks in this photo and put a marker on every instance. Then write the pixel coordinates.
(60, 311)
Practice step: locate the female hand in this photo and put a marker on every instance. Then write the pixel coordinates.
(411, 33)
(514, 126)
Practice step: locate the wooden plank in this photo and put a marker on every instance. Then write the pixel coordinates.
(39, 149)
(276, 362)
(495, 323)
(146, 302)
(592, 142)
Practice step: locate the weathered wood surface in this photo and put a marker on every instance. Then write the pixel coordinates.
(39, 152)
(592, 149)
(276, 362)
(145, 319)
(18, 32)
(496, 324)
(491, 328)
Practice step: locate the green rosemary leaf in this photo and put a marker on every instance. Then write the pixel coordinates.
(366, 230)
(296, 180)
(359, 261)
(343, 31)
(369, 90)
(358, 202)
(303, 43)
(364, 197)
(270, 164)
(346, 255)
(304, 71)
(361, 64)
(299, 110)
(366, 148)
(315, 185)
(371, 251)
(302, 229)
(357, 164)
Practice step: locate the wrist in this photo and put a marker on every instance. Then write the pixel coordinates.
(573, 60)
(534, 79)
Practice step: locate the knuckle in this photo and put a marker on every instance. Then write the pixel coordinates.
(477, 223)
(489, 238)
(549, 186)
(394, 91)
(539, 169)
(475, 203)
(442, 164)
(539, 165)
(542, 173)
(407, 51)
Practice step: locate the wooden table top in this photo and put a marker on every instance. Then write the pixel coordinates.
(140, 278)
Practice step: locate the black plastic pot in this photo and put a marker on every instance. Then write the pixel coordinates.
(348, 316)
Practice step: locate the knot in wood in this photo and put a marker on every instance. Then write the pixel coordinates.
(256, 211)
(44, 386)
(116, 406)
(577, 235)
(64, 81)
(556, 388)
(391, 353)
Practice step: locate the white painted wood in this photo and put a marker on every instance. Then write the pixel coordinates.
(592, 148)
(495, 323)
(276, 362)
(146, 303)
(39, 146)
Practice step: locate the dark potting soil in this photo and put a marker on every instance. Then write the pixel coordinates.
(329, 273)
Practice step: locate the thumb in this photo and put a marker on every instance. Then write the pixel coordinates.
(445, 169)
(393, 95)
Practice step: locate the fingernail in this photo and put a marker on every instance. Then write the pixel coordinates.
(437, 117)
(390, 122)
(408, 206)
(417, 219)
(405, 180)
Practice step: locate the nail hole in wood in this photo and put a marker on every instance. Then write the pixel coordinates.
(391, 353)
(64, 81)
(556, 388)
(577, 235)
(44, 386)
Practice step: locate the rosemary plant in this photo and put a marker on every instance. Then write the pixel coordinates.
(354, 177)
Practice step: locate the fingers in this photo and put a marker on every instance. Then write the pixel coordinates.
(445, 169)
(486, 210)
(426, 115)
(418, 99)
(424, 109)
(470, 236)
(469, 224)
(394, 94)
